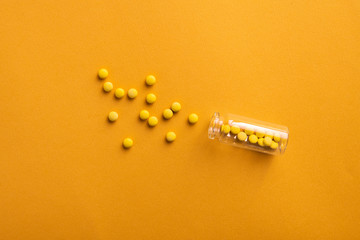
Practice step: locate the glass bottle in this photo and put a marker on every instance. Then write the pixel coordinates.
(249, 133)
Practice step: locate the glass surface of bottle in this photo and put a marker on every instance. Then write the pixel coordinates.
(247, 133)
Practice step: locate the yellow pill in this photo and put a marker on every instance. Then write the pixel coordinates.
(150, 80)
(260, 134)
(170, 136)
(225, 128)
(193, 118)
(128, 143)
(249, 130)
(152, 121)
(253, 138)
(144, 114)
(242, 136)
(277, 137)
(269, 134)
(119, 92)
(103, 73)
(113, 116)
(235, 129)
(261, 142)
(274, 145)
(108, 86)
(175, 107)
(267, 141)
(150, 98)
(167, 114)
(132, 93)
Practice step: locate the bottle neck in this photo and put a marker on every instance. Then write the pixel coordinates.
(214, 129)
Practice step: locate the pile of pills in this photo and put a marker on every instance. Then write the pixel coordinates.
(249, 135)
(144, 114)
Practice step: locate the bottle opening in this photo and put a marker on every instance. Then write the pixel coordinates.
(214, 126)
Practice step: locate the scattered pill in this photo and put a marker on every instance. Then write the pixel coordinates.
(113, 116)
(225, 128)
(175, 106)
(108, 86)
(152, 121)
(261, 142)
(119, 92)
(253, 138)
(269, 134)
(132, 93)
(260, 134)
(242, 136)
(150, 98)
(193, 118)
(277, 137)
(170, 136)
(267, 141)
(128, 142)
(144, 114)
(167, 114)
(235, 129)
(150, 80)
(103, 73)
(274, 145)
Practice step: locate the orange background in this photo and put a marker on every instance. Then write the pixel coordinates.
(64, 175)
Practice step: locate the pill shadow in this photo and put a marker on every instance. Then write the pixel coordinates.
(97, 78)
(166, 120)
(147, 105)
(131, 99)
(146, 125)
(109, 122)
(125, 150)
(103, 91)
(141, 121)
(167, 143)
(190, 124)
(118, 99)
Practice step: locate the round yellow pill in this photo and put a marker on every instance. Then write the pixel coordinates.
(108, 86)
(261, 142)
(277, 137)
(253, 138)
(260, 134)
(225, 128)
(267, 141)
(128, 142)
(242, 136)
(119, 92)
(269, 134)
(144, 114)
(175, 106)
(113, 116)
(150, 80)
(132, 93)
(167, 114)
(249, 130)
(150, 98)
(193, 118)
(274, 145)
(170, 136)
(103, 73)
(234, 129)
(152, 121)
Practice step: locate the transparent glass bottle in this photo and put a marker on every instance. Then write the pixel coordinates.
(249, 133)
